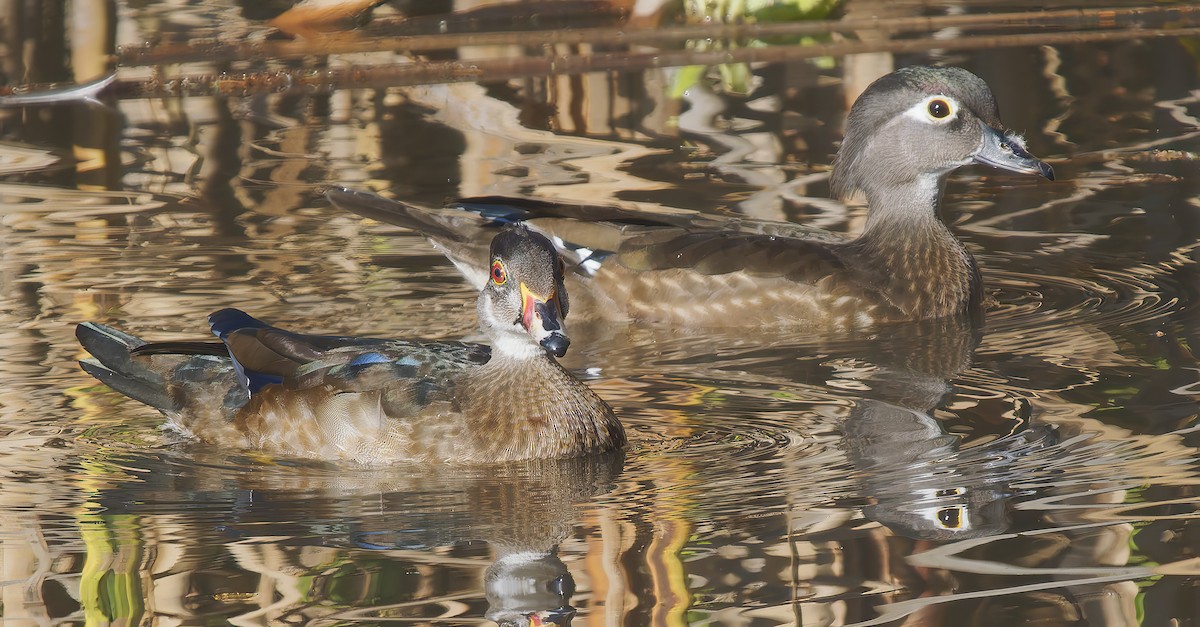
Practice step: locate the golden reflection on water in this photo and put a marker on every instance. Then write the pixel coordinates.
(1043, 466)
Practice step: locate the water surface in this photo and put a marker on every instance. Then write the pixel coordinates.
(1041, 468)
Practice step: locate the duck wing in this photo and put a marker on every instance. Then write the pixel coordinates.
(588, 235)
(263, 355)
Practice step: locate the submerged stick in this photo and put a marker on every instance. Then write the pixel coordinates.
(383, 35)
(418, 73)
(493, 69)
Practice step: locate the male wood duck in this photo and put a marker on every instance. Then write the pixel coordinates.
(372, 400)
(904, 136)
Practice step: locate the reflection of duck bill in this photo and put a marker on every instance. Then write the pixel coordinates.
(529, 589)
(561, 617)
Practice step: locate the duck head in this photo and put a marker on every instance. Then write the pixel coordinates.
(524, 304)
(917, 124)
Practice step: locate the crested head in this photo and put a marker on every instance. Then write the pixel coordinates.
(524, 303)
(529, 256)
(913, 126)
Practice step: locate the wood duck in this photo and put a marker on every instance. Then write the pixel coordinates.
(376, 401)
(904, 136)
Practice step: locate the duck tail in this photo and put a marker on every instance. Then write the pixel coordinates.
(112, 363)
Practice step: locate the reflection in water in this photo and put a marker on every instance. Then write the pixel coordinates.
(917, 479)
(1040, 468)
(522, 584)
(921, 484)
(261, 543)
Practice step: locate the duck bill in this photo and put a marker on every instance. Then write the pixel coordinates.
(542, 317)
(1007, 152)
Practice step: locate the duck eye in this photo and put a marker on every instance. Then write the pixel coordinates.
(939, 108)
(499, 276)
(951, 518)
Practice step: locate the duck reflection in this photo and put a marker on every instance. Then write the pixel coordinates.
(529, 589)
(917, 478)
(922, 484)
(331, 544)
(961, 497)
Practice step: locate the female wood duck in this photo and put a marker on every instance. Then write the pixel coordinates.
(904, 136)
(373, 400)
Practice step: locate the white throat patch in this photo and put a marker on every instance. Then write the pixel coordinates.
(515, 345)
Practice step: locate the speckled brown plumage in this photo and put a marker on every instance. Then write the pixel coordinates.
(502, 410)
(904, 136)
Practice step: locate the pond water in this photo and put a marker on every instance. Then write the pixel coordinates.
(1040, 469)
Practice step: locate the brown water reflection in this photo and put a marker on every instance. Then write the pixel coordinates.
(1040, 468)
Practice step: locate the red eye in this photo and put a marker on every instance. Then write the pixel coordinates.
(499, 276)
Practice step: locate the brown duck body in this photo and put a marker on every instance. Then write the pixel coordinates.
(499, 411)
(430, 403)
(913, 272)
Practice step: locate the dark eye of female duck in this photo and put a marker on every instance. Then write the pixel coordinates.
(499, 276)
(939, 108)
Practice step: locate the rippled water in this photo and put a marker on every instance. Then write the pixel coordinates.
(1040, 469)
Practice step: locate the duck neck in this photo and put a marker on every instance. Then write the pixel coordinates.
(915, 260)
(518, 365)
(541, 409)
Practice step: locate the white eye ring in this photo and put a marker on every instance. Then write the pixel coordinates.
(936, 109)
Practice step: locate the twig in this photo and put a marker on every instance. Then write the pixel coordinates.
(382, 37)
(417, 73)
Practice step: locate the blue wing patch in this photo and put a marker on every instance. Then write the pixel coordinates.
(369, 358)
(499, 214)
